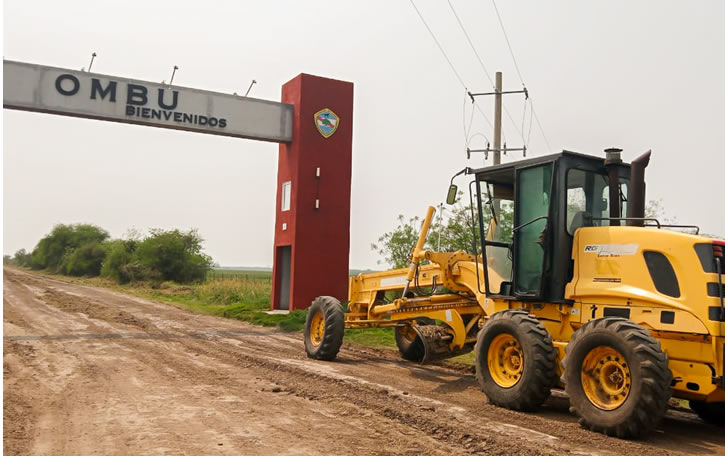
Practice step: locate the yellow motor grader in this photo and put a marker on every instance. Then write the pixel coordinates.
(581, 292)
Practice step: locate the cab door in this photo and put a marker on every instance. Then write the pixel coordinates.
(531, 221)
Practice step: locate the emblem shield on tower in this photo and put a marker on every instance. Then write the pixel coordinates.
(326, 122)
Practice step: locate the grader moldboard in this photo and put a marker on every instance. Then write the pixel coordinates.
(582, 292)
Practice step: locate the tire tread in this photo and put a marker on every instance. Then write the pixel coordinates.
(543, 362)
(656, 379)
(334, 328)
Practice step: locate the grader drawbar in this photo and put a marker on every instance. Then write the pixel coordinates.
(581, 291)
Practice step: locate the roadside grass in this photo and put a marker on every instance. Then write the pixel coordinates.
(220, 274)
(245, 297)
(239, 298)
(373, 337)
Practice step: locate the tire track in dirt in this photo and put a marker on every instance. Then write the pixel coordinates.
(195, 386)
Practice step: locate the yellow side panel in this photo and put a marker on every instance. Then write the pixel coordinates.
(610, 270)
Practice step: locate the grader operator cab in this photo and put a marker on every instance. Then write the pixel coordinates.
(567, 285)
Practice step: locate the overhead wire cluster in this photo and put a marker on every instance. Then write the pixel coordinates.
(525, 136)
(453, 67)
(521, 78)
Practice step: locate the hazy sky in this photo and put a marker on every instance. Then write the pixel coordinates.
(636, 75)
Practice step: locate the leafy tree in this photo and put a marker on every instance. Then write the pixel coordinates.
(55, 249)
(7, 259)
(21, 258)
(656, 209)
(396, 246)
(454, 232)
(175, 255)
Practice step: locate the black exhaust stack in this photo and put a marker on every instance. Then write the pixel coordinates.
(612, 162)
(637, 193)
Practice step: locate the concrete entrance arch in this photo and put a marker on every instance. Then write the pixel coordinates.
(312, 124)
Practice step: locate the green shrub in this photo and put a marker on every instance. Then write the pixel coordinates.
(85, 260)
(120, 263)
(55, 249)
(84, 249)
(174, 255)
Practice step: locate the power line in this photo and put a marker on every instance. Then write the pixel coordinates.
(480, 61)
(538, 122)
(521, 78)
(485, 71)
(478, 108)
(513, 122)
(505, 35)
(523, 120)
(531, 122)
(453, 68)
(466, 130)
(439, 46)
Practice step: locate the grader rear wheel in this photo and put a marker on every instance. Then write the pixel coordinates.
(515, 360)
(324, 328)
(616, 377)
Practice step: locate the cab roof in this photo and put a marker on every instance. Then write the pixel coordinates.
(503, 173)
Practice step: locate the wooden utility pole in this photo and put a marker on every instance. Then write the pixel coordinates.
(498, 94)
(497, 119)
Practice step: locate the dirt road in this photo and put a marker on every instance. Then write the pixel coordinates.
(91, 371)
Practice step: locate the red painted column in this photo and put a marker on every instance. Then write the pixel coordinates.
(313, 235)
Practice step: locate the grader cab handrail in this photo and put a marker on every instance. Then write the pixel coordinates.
(649, 219)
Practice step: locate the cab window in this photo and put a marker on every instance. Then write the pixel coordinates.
(587, 199)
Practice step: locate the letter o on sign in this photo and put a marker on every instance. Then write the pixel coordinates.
(76, 85)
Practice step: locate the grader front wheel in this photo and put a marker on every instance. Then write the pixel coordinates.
(616, 377)
(515, 360)
(409, 343)
(324, 328)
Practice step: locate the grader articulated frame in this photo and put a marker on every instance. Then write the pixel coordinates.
(584, 293)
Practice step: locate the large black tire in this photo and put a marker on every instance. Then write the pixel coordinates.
(325, 343)
(643, 376)
(535, 355)
(409, 343)
(710, 412)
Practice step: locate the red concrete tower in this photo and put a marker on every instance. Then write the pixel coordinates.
(312, 227)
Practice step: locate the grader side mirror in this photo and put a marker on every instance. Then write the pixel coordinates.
(452, 193)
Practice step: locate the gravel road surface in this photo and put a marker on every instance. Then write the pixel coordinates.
(91, 371)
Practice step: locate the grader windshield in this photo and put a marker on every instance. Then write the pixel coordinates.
(528, 212)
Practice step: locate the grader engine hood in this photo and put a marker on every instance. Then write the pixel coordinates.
(661, 279)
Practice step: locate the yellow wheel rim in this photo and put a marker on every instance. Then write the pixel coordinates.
(317, 328)
(505, 360)
(606, 378)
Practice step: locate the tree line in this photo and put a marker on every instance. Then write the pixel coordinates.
(456, 231)
(87, 250)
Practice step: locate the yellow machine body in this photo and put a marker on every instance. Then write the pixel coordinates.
(577, 289)
(610, 278)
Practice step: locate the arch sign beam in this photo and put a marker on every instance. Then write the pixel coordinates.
(39, 88)
(313, 126)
